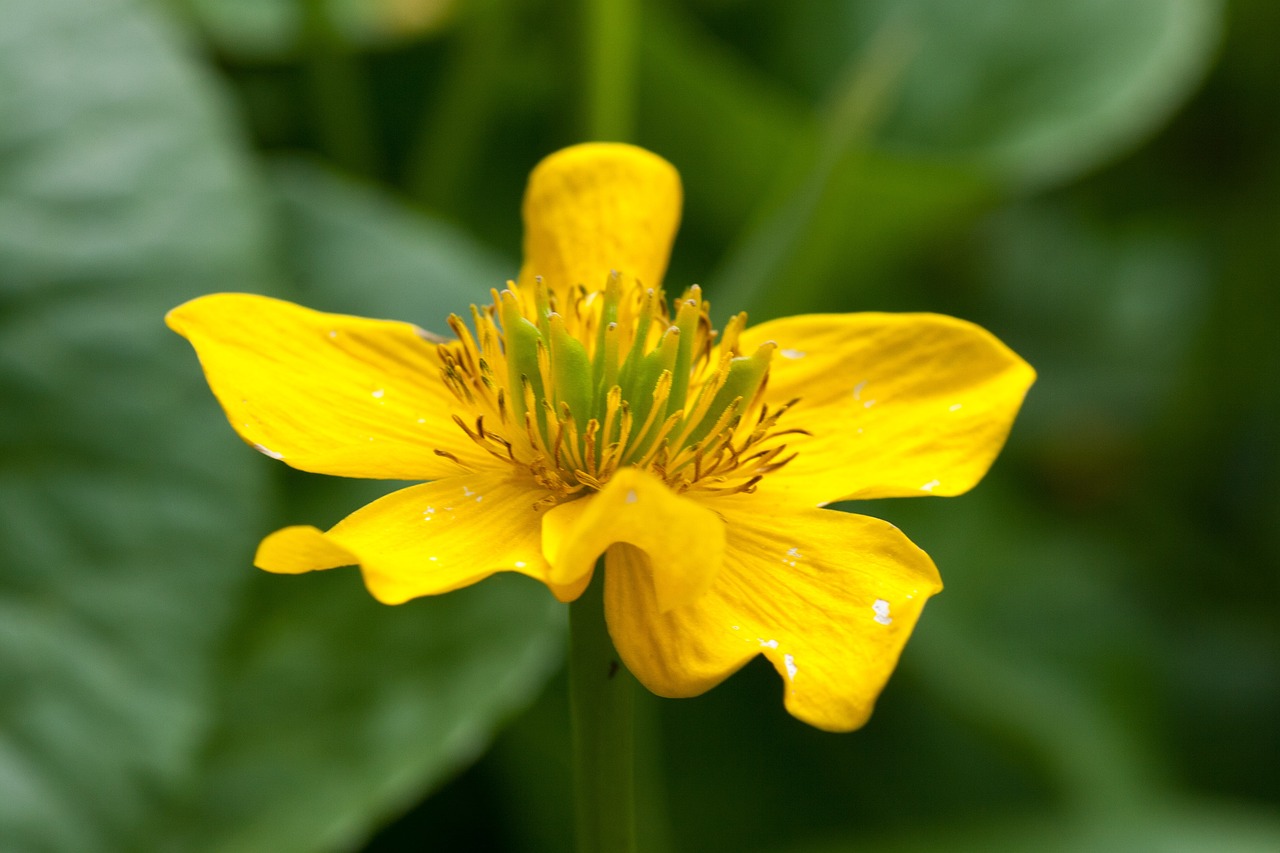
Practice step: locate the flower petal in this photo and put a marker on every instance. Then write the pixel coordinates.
(897, 404)
(327, 392)
(684, 540)
(828, 597)
(596, 208)
(426, 539)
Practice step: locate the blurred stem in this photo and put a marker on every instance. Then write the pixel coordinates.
(857, 106)
(449, 140)
(601, 695)
(336, 89)
(610, 68)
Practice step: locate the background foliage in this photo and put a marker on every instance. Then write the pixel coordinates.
(1093, 180)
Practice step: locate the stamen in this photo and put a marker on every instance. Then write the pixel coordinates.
(571, 386)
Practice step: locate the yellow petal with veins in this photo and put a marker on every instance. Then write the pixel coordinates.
(897, 404)
(828, 597)
(426, 539)
(683, 539)
(326, 393)
(596, 208)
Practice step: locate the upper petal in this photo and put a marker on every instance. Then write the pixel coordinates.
(828, 597)
(683, 539)
(897, 404)
(326, 392)
(597, 208)
(426, 539)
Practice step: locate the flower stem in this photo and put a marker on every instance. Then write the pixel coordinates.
(336, 88)
(610, 68)
(600, 700)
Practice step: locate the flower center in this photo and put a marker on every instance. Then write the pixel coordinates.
(573, 392)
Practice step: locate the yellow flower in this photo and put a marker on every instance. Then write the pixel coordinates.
(578, 415)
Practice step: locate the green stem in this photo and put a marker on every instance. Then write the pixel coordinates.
(610, 67)
(601, 692)
(336, 88)
(450, 140)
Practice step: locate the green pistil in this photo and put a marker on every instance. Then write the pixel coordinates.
(522, 340)
(742, 383)
(552, 375)
(687, 322)
(631, 365)
(570, 371)
(645, 380)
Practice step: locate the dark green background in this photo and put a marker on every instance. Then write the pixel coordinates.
(1096, 181)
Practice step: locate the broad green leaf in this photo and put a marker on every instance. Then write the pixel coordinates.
(126, 506)
(335, 712)
(1035, 90)
(277, 29)
(966, 103)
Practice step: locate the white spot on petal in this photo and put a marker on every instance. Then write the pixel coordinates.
(868, 404)
(794, 552)
(768, 644)
(857, 389)
(792, 353)
(632, 497)
(956, 407)
(520, 564)
(790, 662)
(881, 608)
(466, 491)
(930, 486)
(378, 394)
(266, 451)
(422, 420)
(432, 559)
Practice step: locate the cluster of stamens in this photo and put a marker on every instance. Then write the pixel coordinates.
(573, 392)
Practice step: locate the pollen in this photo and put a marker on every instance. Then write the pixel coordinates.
(573, 387)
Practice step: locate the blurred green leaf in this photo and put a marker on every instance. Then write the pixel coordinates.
(126, 506)
(276, 29)
(156, 689)
(1035, 91)
(1005, 94)
(339, 712)
(803, 207)
(1109, 316)
(317, 675)
(1042, 91)
(353, 249)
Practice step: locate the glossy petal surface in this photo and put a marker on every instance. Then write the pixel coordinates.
(599, 207)
(323, 392)
(423, 540)
(829, 598)
(683, 539)
(897, 404)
